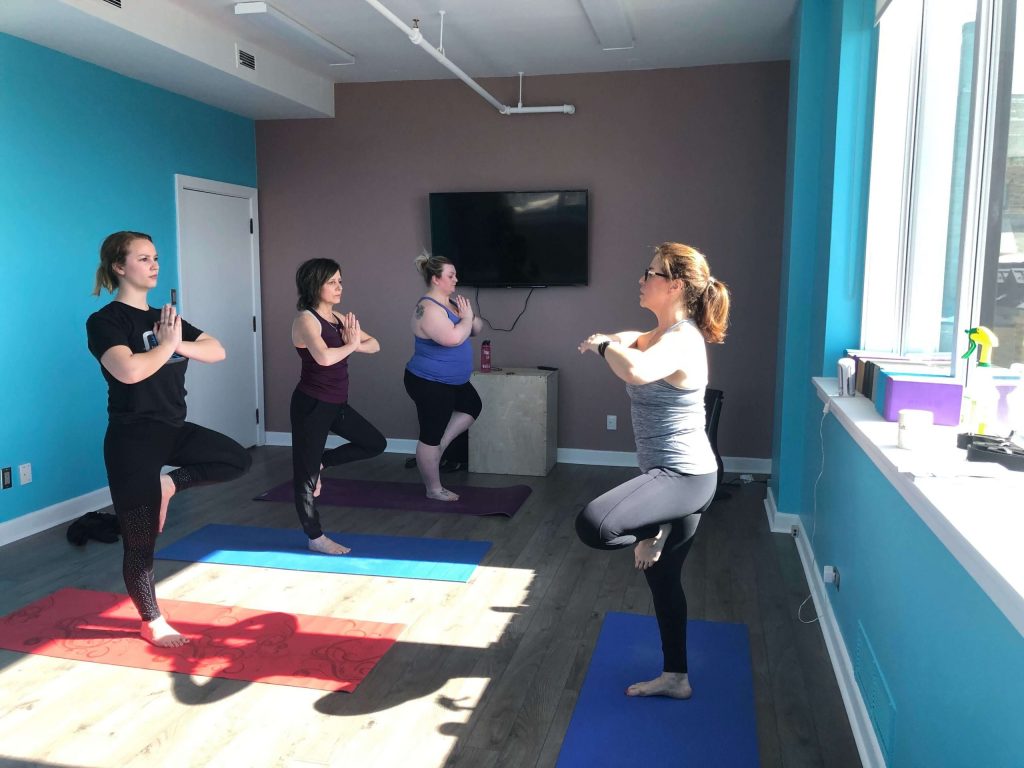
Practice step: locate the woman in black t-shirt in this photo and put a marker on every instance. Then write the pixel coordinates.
(143, 354)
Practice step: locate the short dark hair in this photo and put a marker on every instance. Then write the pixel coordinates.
(114, 251)
(310, 278)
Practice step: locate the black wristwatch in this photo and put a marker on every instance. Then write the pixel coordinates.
(602, 347)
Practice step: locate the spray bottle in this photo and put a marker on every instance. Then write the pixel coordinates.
(981, 396)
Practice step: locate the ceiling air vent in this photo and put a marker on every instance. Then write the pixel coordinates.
(246, 59)
(115, 3)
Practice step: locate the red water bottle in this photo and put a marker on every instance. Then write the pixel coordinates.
(485, 356)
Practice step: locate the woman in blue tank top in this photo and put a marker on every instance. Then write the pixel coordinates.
(666, 371)
(319, 403)
(437, 375)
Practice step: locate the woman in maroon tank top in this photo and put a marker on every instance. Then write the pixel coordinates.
(319, 403)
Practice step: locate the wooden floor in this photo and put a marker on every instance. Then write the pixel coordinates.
(486, 673)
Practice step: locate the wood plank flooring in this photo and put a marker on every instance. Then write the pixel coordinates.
(485, 675)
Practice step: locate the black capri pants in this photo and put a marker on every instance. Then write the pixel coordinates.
(312, 420)
(634, 511)
(436, 402)
(134, 455)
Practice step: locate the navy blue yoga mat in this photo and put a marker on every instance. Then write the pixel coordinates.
(717, 726)
(399, 556)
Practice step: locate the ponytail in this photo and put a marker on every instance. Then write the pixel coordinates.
(712, 311)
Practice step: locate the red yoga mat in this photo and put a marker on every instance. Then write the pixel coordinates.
(235, 643)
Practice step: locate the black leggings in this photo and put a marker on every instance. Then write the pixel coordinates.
(134, 455)
(436, 402)
(312, 420)
(632, 512)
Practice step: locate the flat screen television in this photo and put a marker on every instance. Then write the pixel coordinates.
(513, 239)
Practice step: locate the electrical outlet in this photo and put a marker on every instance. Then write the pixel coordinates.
(830, 575)
(24, 474)
(5, 478)
(613, 422)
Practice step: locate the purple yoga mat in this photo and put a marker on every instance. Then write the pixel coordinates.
(410, 496)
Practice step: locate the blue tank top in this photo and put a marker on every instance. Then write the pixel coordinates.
(324, 382)
(436, 362)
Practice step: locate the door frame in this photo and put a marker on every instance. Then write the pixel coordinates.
(184, 183)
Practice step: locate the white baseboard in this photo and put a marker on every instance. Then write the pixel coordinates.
(738, 464)
(779, 522)
(856, 710)
(47, 517)
(596, 458)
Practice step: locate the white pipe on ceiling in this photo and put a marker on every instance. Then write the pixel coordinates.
(416, 37)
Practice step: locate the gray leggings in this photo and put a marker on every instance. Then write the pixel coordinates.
(632, 512)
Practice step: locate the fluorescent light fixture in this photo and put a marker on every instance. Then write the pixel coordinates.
(281, 24)
(610, 23)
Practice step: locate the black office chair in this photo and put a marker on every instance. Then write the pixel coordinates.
(712, 413)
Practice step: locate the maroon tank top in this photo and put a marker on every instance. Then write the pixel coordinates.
(324, 382)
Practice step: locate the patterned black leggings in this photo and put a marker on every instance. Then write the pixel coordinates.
(312, 420)
(632, 512)
(134, 455)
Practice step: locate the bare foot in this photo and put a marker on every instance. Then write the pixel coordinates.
(325, 546)
(316, 491)
(647, 552)
(167, 489)
(161, 634)
(442, 494)
(675, 685)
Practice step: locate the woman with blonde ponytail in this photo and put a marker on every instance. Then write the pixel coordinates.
(437, 375)
(666, 372)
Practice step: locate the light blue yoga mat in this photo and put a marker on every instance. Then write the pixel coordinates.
(716, 727)
(398, 556)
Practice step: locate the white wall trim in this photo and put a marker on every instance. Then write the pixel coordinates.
(47, 517)
(860, 721)
(738, 464)
(779, 522)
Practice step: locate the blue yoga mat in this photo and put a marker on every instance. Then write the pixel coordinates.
(399, 556)
(717, 726)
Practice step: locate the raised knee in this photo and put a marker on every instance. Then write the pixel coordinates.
(587, 532)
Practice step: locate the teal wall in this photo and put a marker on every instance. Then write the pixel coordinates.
(942, 647)
(83, 152)
(954, 664)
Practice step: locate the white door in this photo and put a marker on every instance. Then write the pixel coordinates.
(218, 264)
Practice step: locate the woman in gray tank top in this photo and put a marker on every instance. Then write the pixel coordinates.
(666, 371)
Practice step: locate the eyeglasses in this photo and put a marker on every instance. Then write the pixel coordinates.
(649, 272)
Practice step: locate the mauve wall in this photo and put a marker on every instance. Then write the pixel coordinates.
(695, 155)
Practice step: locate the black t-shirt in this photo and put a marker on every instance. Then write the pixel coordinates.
(161, 397)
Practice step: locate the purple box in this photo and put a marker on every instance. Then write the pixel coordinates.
(943, 397)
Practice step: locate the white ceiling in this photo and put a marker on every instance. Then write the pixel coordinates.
(486, 38)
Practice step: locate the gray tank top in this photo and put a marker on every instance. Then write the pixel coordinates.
(668, 424)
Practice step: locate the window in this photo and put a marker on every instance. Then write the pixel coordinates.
(999, 293)
(945, 236)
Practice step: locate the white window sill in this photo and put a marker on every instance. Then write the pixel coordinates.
(976, 509)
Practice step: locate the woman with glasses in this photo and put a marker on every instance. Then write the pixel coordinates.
(666, 371)
(437, 375)
(319, 404)
(143, 353)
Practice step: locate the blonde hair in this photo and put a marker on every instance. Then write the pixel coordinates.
(430, 266)
(705, 296)
(114, 251)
